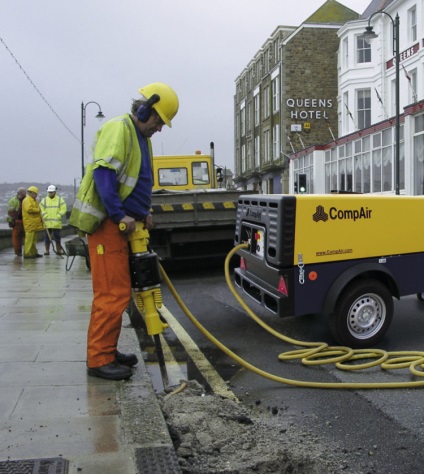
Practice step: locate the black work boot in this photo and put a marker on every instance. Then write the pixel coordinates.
(126, 359)
(111, 371)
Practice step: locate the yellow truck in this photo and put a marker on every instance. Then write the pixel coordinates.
(193, 217)
(184, 172)
(339, 254)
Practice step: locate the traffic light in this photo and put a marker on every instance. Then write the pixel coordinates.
(219, 176)
(301, 183)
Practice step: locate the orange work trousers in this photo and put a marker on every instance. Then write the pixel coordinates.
(18, 235)
(110, 273)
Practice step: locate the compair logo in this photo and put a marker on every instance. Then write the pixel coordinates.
(320, 215)
(341, 214)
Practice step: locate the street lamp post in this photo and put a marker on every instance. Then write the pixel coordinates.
(368, 36)
(99, 116)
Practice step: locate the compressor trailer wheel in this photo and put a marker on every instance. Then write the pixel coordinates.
(363, 314)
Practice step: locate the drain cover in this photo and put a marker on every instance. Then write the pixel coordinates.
(35, 466)
(160, 460)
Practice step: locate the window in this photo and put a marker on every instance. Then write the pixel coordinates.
(412, 85)
(419, 154)
(363, 108)
(358, 174)
(249, 117)
(266, 58)
(243, 158)
(276, 49)
(249, 155)
(412, 24)
(257, 152)
(345, 168)
(276, 94)
(362, 165)
(243, 119)
(200, 172)
(265, 102)
(387, 161)
(366, 164)
(173, 176)
(257, 109)
(346, 113)
(266, 145)
(376, 163)
(363, 51)
(345, 54)
(331, 170)
(276, 142)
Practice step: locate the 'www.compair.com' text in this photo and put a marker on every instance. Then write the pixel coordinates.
(333, 252)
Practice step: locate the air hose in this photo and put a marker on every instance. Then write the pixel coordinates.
(314, 353)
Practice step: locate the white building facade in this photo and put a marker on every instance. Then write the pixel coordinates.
(362, 158)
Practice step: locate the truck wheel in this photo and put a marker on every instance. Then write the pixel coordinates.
(420, 296)
(363, 314)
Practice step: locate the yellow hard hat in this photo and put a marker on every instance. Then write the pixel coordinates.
(167, 106)
(33, 189)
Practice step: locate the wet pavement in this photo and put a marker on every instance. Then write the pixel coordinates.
(49, 406)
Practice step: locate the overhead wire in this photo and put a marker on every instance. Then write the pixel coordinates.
(38, 90)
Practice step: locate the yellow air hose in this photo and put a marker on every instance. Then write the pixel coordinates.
(315, 353)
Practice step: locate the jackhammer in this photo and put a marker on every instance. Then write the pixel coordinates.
(145, 282)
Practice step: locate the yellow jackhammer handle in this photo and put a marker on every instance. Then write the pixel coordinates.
(139, 238)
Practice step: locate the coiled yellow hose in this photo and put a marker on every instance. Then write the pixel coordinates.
(315, 353)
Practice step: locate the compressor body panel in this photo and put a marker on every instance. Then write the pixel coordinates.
(305, 251)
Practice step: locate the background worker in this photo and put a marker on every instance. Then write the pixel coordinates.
(14, 218)
(31, 216)
(117, 189)
(53, 209)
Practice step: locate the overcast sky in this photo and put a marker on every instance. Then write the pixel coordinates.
(104, 51)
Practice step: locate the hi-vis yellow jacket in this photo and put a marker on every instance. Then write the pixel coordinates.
(115, 147)
(52, 211)
(31, 215)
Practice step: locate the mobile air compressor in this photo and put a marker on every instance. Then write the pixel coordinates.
(343, 255)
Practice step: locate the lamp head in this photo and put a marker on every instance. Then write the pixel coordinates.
(369, 34)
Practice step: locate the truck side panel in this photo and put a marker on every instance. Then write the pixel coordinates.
(190, 224)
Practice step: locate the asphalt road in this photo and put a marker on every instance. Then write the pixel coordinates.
(382, 429)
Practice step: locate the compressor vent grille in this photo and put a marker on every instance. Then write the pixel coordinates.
(276, 213)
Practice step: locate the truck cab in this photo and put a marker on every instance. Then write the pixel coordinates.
(184, 172)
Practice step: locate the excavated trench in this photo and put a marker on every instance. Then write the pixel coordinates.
(216, 435)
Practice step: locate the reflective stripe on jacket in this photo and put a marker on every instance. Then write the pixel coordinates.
(53, 211)
(116, 147)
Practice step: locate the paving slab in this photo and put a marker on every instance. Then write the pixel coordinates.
(49, 407)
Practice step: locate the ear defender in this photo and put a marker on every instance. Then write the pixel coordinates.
(145, 110)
